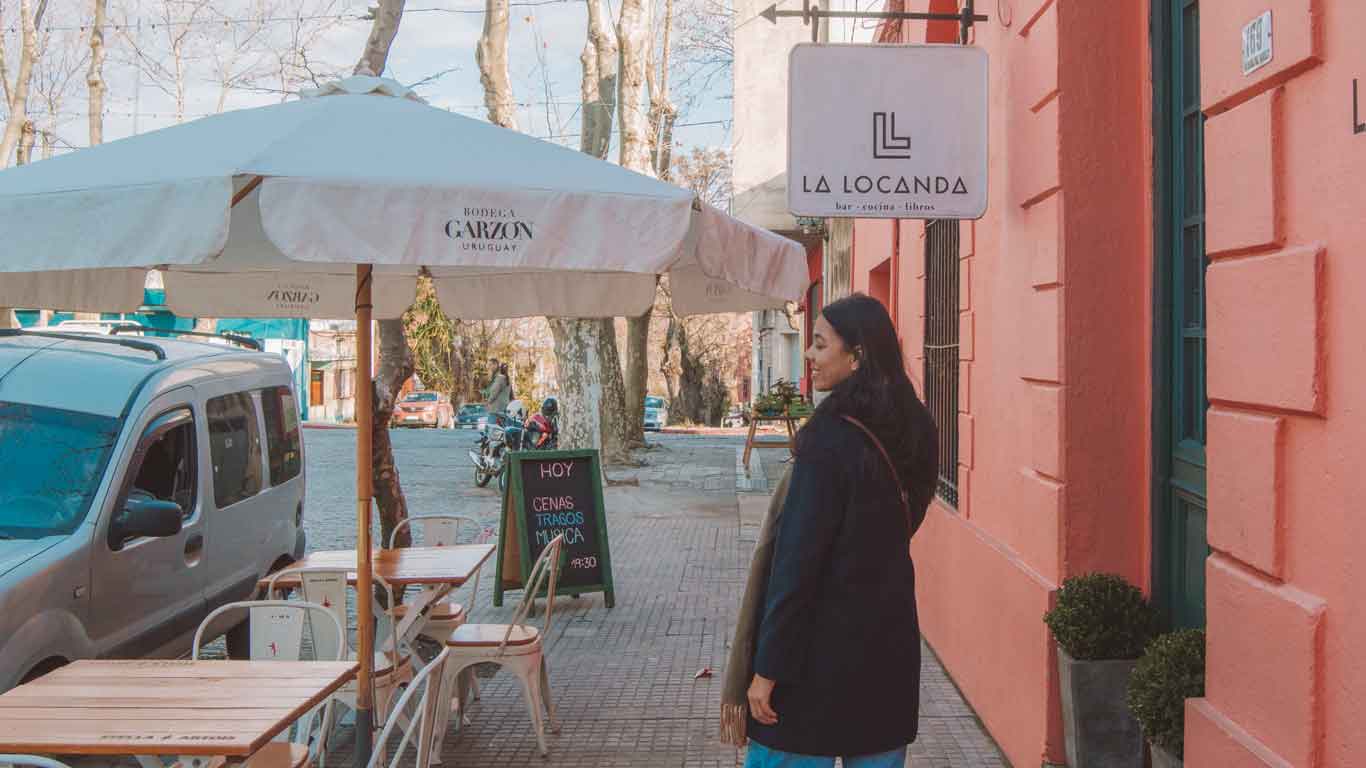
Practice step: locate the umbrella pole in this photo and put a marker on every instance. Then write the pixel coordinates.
(365, 593)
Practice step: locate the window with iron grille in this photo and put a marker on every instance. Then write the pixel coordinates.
(941, 347)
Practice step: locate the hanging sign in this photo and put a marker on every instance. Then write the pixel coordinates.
(551, 493)
(887, 131)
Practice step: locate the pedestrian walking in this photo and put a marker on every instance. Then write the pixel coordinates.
(499, 391)
(826, 658)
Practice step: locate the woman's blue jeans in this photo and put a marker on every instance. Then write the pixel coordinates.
(760, 756)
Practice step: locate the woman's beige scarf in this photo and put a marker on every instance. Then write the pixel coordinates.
(740, 666)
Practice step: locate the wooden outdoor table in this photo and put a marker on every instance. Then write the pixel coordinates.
(185, 709)
(789, 443)
(408, 566)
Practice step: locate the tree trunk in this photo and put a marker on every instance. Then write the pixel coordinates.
(633, 34)
(382, 33)
(691, 379)
(24, 154)
(395, 367)
(492, 56)
(593, 398)
(18, 106)
(666, 368)
(395, 358)
(599, 61)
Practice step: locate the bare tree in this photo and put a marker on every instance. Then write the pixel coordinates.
(663, 112)
(176, 25)
(94, 79)
(492, 57)
(706, 172)
(588, 365)
(17, 95)
(633, 34)
(62, 56)
(395, 357)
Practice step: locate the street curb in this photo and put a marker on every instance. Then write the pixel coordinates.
(325, 425)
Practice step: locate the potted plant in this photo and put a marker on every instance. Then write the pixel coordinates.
(1170, 671)
(1101, 624)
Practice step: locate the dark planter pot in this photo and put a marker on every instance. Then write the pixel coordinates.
(1164, 759)
(1100, 730)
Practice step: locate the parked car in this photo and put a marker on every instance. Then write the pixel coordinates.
(470, 414)
(424, 409)
(656, 412)
(143, 483)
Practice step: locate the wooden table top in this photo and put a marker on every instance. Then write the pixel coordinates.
(407, 566)
(164, 707)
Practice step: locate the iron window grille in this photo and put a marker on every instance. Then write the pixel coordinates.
(941, 347)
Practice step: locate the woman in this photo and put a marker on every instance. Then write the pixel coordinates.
(499, 391)
(830, 609)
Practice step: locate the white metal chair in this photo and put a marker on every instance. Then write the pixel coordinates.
(441, 531)
(516, 646)
(416, 710)
(393, 660)
(277, 633)
(29, 761)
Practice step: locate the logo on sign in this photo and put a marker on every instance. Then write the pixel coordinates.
(886, 144)
(493, 230)
(293, 296)
(1257, 44)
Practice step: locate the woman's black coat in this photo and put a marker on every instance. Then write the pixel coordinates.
(839, 632)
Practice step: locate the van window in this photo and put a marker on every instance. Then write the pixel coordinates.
(282, 434)
(168, 465)
(51, 463)
(235, 447)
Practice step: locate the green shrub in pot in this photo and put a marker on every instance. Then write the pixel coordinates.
(1100, 616)
(1170, 671)
(1101, 624)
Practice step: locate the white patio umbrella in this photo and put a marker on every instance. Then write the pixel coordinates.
(333, 203)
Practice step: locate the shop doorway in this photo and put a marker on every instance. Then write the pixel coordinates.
(1180, 546)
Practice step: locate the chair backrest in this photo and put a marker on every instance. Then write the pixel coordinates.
(276, 634)
(329, 588)
(416, 712)
(439, 530)
(277, 630)
(29, 761)
(546, 569)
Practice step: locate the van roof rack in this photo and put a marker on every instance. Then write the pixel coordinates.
(142, 346)
(245, 341)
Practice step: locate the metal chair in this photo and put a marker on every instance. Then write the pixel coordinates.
(276, 634)
(441, 531)
(393, 662)
(416, 710)
(516, 646)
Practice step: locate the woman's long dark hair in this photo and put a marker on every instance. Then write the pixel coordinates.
(881, 395)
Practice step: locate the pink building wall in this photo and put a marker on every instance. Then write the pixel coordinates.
(1286, 680)
(1055, 393)
(1054, 382)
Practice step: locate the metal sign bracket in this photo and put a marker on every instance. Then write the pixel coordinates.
(811, 13)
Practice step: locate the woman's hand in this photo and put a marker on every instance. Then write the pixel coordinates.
(760, 700)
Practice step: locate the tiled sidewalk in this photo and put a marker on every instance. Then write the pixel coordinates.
(624, 679)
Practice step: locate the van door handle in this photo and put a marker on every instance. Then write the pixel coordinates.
(194, 546)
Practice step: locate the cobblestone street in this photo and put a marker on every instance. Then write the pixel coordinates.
(624, 679)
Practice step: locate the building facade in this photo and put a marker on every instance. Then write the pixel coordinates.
(1141, 360)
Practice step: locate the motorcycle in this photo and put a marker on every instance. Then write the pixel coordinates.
(501, 435)
(506, 432)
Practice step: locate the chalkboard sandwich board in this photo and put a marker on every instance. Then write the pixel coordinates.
(552, 493)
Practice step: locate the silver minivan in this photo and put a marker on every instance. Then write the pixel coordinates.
(143, 483)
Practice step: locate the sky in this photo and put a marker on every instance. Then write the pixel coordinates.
(436, 38)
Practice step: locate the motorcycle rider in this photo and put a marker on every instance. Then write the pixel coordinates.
(542, 430)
